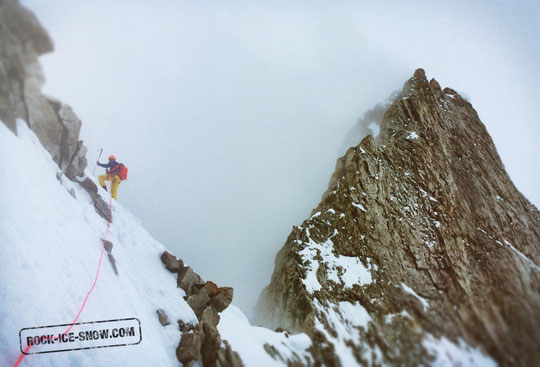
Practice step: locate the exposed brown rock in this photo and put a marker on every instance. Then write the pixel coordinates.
(163, 318)
(211, 345)
(170, 261)
(223, 299)
(428, 207)
(211, 288)
(187, 278)
(210, 316)
(198, 303)
(214, 354)
(190, 346)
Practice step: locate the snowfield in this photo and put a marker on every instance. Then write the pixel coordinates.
(49, 251)
(50, 245)
(346, 270)
(249, 340)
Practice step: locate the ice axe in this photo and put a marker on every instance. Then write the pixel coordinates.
(100, 151)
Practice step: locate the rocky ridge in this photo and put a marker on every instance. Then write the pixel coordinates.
(421, 248)
(201, 341)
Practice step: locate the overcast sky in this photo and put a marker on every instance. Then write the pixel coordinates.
(231, 114)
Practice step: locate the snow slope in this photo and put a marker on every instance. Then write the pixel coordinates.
(49, 251)
(249, 341)
(50, 244)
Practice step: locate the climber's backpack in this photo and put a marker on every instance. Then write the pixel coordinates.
(122, 172)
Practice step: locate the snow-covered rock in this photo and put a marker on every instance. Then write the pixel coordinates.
(259, 346)
(421, 251)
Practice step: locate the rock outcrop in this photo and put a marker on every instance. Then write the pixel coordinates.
(206, 299)
(22, 41)
(99, 204)
(421, 244)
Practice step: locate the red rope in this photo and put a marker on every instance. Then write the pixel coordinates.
(21, 357)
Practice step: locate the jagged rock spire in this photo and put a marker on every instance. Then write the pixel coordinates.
(420, 242)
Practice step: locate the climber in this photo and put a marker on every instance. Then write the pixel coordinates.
(113, 170)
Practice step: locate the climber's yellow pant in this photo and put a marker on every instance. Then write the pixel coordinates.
(114, 184)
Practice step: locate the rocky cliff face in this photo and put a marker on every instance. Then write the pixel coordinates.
(421, 250)
(22, 41)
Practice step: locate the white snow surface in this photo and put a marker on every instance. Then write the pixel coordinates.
(359, 206)
(448, 354)
(350, 321)
(50, 245)
(249, 340)
(347, 320)
(345, 270)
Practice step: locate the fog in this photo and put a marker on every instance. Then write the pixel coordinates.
(230, 115)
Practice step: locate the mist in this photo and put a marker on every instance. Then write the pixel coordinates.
(230, 115)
